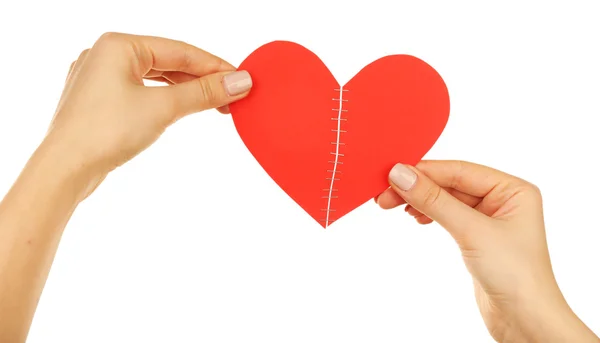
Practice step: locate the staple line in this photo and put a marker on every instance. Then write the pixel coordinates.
(337, 150)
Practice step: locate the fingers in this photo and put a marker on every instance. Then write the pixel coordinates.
(168, 55)
(192, 70)
(433, 201)
(224, 109)
(70, 70)
(170, 77)
(467, 199)
(493, 186)
(389, 199)
(211, 91)
(77, 63)
(419, 217)
(467, 177)
(176, 77)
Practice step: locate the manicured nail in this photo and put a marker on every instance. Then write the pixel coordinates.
(403, 177)
(237, 82)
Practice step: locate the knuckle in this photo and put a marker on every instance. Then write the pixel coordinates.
(187, 57)
(207, 95)
(109, 36)
(431, 197)
(221, 65)
(533, 191)
(83, 54)
(110, 39)
(457, 178)
(527, 190)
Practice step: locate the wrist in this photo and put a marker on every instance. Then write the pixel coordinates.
(53, 169)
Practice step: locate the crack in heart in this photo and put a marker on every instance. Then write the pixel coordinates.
(337, 154)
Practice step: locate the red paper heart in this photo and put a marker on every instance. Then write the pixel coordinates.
(331, 161)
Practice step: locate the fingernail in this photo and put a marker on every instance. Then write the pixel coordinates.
(237, 82)
(403, 177)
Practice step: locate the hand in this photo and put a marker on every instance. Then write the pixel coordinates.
(498, 223)
(106, 115)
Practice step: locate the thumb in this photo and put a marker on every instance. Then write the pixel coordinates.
(210, 91)
(433, 201)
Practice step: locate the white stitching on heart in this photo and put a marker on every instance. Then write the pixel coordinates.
(337, 154)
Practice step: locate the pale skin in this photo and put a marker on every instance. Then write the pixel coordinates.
(106, 116)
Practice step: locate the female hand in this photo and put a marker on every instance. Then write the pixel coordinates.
(498, 223)
(104, 118)
(106, 115)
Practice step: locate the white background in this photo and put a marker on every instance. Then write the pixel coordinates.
(192, 242)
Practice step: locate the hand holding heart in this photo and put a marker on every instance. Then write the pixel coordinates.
(324, 132)
(498, 223)
(106, 114)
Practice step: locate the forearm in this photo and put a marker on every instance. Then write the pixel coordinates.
(549, 319)
(32, 218)
(561, 327)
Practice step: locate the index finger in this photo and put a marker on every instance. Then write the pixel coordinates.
(470, 178)
(165, 54)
